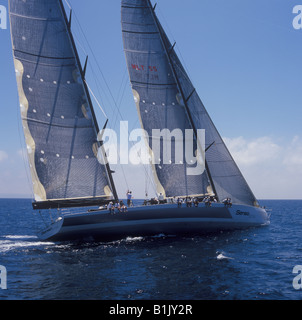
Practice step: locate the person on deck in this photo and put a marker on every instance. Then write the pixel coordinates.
(110, 207)
(129, 198)
(117, 206)
(161, 198)
(227, 202)
(208, 202)
(179, 202)
(123, 207)
(189, 202)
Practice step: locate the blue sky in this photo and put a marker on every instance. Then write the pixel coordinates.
(244, 58)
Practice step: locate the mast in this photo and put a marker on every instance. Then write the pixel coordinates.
(82, 73)
(185, 99)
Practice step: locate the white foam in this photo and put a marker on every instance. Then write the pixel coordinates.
(132, 239)
(20, 237)
(12, 242)
(222, 257)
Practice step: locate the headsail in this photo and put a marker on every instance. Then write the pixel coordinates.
(165, 97)
(57, 115)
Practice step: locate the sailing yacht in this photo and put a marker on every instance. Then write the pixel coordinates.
(61, 132)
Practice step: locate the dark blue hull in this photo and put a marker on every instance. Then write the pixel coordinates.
(152, 220)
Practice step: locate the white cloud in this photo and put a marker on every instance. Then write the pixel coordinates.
(273, 170)
(253, 152)
(293, 157)
(3, 155)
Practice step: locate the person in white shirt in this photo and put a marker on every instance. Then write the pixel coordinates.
(111, 207)
(161, 198)
(129, 197)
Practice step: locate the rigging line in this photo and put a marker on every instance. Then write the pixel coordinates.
(96, 100)
(68, 5)
(117, 109)
(101, 92)
(120, 100)
(98, 66)
(120, 96)
(79, 45)
(132, 143)
(172, 36)
(99, 86)
(94, 57)
(115, 117)
(145, 167)
(122, 88)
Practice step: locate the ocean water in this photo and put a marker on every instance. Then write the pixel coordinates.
(254, 264)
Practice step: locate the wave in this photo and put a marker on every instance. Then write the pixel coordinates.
(133, 239)
(23, 237)
(15, 242)
(221, 256)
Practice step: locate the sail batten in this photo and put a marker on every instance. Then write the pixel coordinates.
(35, 55)
(59, 124)
(137, 32)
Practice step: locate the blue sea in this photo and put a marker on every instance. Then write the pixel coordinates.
(254, 264)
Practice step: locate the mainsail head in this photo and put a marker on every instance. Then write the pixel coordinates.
(57, 115)
(166, 98)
